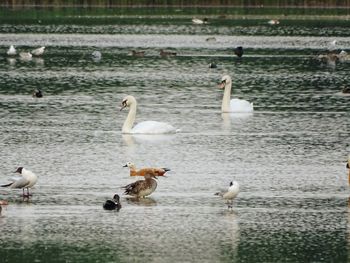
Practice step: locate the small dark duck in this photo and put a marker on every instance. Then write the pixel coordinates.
(113, 204)
(238, 51)
(37, 93)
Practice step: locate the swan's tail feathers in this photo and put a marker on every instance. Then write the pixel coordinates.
(6, 185)
(218, 193)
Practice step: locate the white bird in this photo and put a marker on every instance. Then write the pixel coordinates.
(146, 127)
(96, 55)
(25, 55)
(11, 51)
(39, 51)
(27, 180)
(234, 105)
(230, 194)
(273, 22)
(199, 21)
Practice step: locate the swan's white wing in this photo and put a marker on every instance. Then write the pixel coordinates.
(153, 127)
(237, 105)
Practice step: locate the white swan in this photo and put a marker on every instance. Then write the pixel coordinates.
(235, 105)
(146, 127)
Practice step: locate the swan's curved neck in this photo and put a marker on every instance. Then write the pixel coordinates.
(225, 106)
(130, 119)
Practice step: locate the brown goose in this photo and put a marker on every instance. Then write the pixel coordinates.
(154, 171)
(141, 188)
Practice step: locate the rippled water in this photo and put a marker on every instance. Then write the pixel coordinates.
(289, 156)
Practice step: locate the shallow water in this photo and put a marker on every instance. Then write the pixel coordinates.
(289, 156)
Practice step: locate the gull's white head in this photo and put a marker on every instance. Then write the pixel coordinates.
(225, 80)
(127, 101)
(129, 164)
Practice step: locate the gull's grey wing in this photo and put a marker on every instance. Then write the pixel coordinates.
(20, 183)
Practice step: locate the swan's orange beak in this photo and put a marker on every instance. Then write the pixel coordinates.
(222, 84)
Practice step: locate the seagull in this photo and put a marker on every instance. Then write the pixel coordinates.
(230, 194)
(27, 180)
(113, 204)
(96, 55)
(200, 21)
(39, 51)
(11, 51)
(273, 22)
(153, 171)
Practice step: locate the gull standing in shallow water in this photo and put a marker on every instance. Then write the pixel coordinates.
(145, 127)
(11, 51)
(27, 180)
(234, 105)
(230, 193)
(154, 171)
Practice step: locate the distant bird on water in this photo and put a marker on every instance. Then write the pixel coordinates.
(27, 180)
(273, 22)
(139, 54)
(163, 53)
(11, 51)
(153, 171)
(212, 65)
(37, 93)
(25, 56)
(198, 21)
(238, 51)
(346, 90)
(230, 193)
(113, 204)
(38, 51)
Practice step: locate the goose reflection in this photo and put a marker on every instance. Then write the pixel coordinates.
(146, 201)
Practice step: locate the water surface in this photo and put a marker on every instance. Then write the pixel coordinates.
(288, 156)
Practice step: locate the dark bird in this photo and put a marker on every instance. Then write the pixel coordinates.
(238, 51)
(37, 93)
(139, 54)
(346, 90)
(212, 65)
(113, 204)
(166, 53)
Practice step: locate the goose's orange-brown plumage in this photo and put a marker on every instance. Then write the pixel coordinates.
(146, 171)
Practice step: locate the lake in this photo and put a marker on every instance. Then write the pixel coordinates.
(288, 156)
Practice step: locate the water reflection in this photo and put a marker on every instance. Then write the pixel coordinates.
(234, 118)
(134, 139)
(147, 201)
